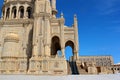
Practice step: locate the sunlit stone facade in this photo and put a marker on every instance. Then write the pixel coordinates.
(31, 36)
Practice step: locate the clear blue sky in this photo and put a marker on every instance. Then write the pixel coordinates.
(99, 25)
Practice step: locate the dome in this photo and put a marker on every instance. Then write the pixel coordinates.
(12, 37)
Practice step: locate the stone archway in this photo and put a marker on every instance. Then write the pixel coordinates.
(55, 46)
(72, 61)
(71, 44)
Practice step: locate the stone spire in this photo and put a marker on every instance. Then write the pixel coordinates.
(76, 36)
(62, 15)
(54, 11)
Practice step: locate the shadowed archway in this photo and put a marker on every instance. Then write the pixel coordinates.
(55, 46)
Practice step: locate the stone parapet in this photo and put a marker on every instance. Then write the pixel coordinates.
(13, 66)
(14, 21)
(50, 66)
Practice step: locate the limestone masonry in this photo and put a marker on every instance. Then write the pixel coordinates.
(31, 36)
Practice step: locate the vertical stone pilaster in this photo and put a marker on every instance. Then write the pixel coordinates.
(25, 11)
(35, 36)
(76, 34)
(17, 13)
(47, 37)
(75, 56)
(63, 52)
(10, 16)
(5, 13)
(62, 36)
(53, 4)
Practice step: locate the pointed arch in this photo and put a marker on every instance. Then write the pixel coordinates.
(55, 45)
(69, 45)
(21, 11)
(8, 13)
(14, 11)
(29, 12)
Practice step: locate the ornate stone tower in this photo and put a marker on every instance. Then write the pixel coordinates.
(31, 36)
(16, 27)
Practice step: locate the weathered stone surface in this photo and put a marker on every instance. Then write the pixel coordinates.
(31, 37)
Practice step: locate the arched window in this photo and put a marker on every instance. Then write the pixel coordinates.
(21, 11)
(55, 46)
(29, 12)
(14, 10)
(8, 13)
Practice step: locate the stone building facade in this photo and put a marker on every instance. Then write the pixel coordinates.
(115, 68)
(99, 60)
(31, 36)
(95, 64)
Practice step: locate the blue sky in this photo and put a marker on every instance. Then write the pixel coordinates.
(99, 25)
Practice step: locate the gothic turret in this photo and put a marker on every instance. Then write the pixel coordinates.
(54, 11)
(14, 9)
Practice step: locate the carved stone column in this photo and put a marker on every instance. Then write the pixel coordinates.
(5, 13)
(10, 16)
(75, 56)
(54, 11)
(53, 4)
(35, 36)
(63, 52)
(17, 13)
(62, 35)
(25, 11)
(76, 35)
(47, 37)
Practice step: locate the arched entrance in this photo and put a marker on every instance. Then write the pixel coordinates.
(55, 46)
(72, 67)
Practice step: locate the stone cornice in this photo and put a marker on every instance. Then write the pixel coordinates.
(42, 15)
(54, 20)
(16, 21)
(69, 28)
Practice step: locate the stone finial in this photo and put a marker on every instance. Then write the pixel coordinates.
(62, 15)
(75, 17)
